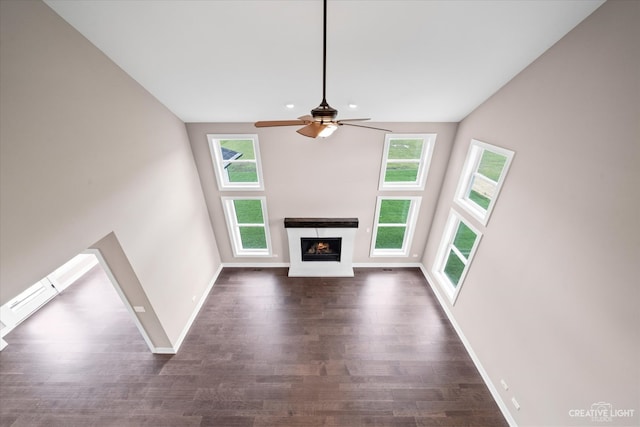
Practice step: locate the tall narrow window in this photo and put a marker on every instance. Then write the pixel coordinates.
(395, 222)
(459, 243)
(406, 161)
(482, 176)
(247, 226)
(236, 159)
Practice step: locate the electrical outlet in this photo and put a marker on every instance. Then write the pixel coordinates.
(504, 384)
(515, 403)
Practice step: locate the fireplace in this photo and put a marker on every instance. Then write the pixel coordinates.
(321, 249)
(321, 246)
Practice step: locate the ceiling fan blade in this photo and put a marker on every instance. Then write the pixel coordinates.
(306, 118)
(362, 126)
(272, 123)
(312, 130)
(352, 120)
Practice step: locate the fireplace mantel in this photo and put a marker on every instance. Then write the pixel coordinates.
(321, 223)
(343, 229)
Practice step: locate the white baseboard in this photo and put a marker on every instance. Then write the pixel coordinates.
(255, 264)
(386, 264)
(492, 388)
(192, 318)
(3, 344)
(164, 350)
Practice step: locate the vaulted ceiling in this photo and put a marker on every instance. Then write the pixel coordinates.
(397, 60)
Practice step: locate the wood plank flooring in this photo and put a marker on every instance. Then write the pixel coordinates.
(265, 350)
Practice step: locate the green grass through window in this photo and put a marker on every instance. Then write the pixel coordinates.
(401, 172)
(244, 146)
(403, 149)
(454, 268)
(392, 211)
(464, 240)
(241, 171)
(479, 199)
(390, 237)
(249, 211)
(253, 238)
(491, 165)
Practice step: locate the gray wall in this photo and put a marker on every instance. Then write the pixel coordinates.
(86, 152)
(333, 177)
(550, 303)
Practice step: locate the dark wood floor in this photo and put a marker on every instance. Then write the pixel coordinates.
(266, 350)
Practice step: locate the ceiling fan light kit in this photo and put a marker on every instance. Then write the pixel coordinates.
(327, 131)
(322, 121)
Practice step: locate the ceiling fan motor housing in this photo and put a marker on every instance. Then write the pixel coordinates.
(324, 112)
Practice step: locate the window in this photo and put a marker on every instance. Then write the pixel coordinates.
(406, 161)
(459, 243)
(394, 225)
(247, 226)
(236, 160)
(482, 177)
(24, 305)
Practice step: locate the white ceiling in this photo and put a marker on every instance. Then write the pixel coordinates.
(398, 60)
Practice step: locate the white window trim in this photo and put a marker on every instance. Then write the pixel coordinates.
(423, 163)
(412, 219)
(220, 170)
(234, 228)
(448, 236)
(470, 170)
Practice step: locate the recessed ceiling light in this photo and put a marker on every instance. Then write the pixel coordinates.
(289, 106)
(352, 106)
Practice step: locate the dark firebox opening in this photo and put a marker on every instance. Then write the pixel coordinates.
(321, 249)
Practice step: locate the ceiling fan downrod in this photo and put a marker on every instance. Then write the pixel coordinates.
(322, 122)
(324, 112)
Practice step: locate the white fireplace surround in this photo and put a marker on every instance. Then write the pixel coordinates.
(321, 228)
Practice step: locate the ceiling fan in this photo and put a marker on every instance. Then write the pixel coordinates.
(322, 121)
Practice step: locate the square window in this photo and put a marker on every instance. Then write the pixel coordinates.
(394, 225)
(406, 161)
(482, 177)
(247, 226)
(457, 248)
(236, 161)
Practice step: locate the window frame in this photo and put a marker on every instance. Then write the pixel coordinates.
(233, 227)
(470, 171)
(219, 163)
(423, 162)
(446, 244)
(412, 219)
